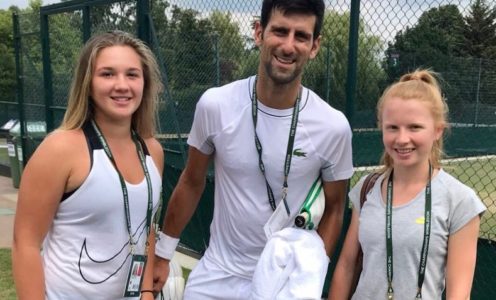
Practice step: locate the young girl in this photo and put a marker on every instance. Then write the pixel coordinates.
(418, 228)
(89, 191)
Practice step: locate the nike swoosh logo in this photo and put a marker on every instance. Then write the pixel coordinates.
(97, 271)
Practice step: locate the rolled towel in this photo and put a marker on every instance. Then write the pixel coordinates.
(293, 265)
(174, 287)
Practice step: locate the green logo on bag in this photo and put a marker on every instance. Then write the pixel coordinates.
(298, 152)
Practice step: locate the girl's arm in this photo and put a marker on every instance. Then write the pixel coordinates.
(462, 253)
(342, 279)
(41, 189)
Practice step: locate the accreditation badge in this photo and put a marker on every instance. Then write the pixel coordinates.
(135, 276)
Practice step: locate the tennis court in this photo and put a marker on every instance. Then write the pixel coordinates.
(478, 172)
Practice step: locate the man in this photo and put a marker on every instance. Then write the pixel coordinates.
(228, 120)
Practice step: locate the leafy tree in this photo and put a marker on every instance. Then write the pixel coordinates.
(334, 55)
(7, 63)
(437, 35)
(229, 44)
(480, 44)
(249, 63)
(447, 42)
(480, 31)
(189, 47)
(66, 41)
(160, 21)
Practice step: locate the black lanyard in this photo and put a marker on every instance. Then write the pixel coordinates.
(389, 236)
(289, 151)
(139, 149)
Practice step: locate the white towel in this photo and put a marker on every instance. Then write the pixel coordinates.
(174, 287)
(293, 265)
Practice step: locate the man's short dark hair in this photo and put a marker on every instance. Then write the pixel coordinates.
(310, 7)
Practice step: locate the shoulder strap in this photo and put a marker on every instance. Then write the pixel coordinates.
(368, 184)
(143, 145)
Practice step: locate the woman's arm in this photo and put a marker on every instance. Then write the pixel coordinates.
(157, 153)
(342, 279)
(462, 253)
(42, 186)
(147, 284)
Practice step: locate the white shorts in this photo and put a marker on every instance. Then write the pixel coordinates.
(209, 282)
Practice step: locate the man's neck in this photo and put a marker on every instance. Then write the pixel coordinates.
(278, 96)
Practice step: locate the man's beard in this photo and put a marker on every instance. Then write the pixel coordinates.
(281, 78)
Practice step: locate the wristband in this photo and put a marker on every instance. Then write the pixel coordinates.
(165, 246)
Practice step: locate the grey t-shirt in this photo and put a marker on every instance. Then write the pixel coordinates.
(453, 205)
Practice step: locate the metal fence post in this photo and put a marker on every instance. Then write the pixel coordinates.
(477, 96)
(47, 69)
(328, 74)
(143, 14)
(352, 60)
(86, 23)
(217, 58)
(19, 79)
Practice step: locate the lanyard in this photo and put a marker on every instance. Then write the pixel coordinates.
(139, 149)
(389, 237)
(289, 151)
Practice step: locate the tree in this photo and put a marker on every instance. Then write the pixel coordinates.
(437, 35)
(480, 44)
(329, 69)
(480, 31)
(7, 63)
(229, 44)
(189, 49)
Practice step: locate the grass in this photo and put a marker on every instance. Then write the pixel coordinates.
(7, 290)
(480, 175)
(477, 173)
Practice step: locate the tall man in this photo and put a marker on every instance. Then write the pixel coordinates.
(244, 127)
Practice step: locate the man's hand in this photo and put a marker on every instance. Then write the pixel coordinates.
(160, 273)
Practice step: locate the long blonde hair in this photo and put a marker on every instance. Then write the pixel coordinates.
(420, 85)
(80, 107)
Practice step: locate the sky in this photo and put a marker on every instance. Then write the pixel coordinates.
(382, 19)
(5, 4)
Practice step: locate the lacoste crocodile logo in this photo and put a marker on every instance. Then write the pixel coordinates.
(298, 152)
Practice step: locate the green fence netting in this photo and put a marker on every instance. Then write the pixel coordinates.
(366, 45)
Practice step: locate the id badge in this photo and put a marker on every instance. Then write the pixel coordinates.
(135, 276)
(277, 220)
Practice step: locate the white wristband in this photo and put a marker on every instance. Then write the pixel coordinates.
(165, 246)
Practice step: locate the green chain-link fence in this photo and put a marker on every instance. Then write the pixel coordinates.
(366, 45)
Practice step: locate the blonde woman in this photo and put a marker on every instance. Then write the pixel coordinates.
(88, 192)
(418, 228)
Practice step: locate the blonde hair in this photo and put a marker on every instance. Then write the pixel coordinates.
(420, 85)
(80, 107)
